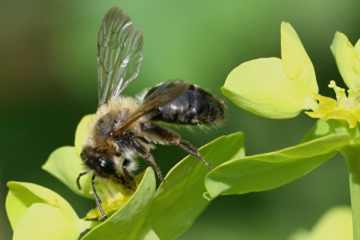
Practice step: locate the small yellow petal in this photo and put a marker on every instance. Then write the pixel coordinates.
(344, 108)
(114, 196)
(109, 206)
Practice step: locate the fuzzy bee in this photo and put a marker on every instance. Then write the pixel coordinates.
(127, 129)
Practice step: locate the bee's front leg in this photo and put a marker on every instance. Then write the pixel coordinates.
(79, 177)
(97, 199)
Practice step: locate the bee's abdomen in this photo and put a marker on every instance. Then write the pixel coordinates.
(194, 106)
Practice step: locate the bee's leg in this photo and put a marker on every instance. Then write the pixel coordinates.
(192, 150)
(145, 154)
(151, 161)
(127, 176)
(78, 179)
(126, 179)
(167, 137)
(97, 199)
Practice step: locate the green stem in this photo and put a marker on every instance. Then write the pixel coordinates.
(352, 155)
(355, 205)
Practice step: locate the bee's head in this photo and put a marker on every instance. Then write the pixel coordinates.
(100, 161)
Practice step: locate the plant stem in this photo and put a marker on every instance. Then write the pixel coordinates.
(352, 155)
(355, 205)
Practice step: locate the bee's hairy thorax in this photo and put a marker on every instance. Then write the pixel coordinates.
(111, 115)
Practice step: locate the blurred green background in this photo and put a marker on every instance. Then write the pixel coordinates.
(48, 82)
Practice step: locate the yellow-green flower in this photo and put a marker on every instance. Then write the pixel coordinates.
(282, 88)
(275, 87)
(346, 107)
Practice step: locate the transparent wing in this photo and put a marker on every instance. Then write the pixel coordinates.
(119, 54)
(160, 96)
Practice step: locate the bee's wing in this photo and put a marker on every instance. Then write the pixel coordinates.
(119, 54)
(160, 96)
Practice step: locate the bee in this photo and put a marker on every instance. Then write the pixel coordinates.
(126, 129)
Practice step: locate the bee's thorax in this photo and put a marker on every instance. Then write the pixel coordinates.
(111, 115)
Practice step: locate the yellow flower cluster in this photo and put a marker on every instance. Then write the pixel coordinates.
(284, 87)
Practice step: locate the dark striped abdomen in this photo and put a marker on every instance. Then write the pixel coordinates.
(193, 106)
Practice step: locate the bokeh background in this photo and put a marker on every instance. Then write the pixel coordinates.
(48, 82)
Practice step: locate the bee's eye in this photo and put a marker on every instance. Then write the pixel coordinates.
(102, 162)
(106, 165)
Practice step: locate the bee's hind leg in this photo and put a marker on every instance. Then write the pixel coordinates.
(192, 150)
(97, 199)
(167, 137)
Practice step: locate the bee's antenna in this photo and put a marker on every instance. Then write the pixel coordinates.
(78, 179)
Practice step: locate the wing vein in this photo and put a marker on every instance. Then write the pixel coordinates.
(119, 54)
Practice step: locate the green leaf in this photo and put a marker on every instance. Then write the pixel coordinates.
(22, 195)
(151, 235)
(326, 127)
(347, 59)
(320, 129)
(36, 212)
(334, 225)
(179, 199)
(270, 170)
(42, 222)
(128, 222)
(65, 164)
(274, 87)
(331, 126)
